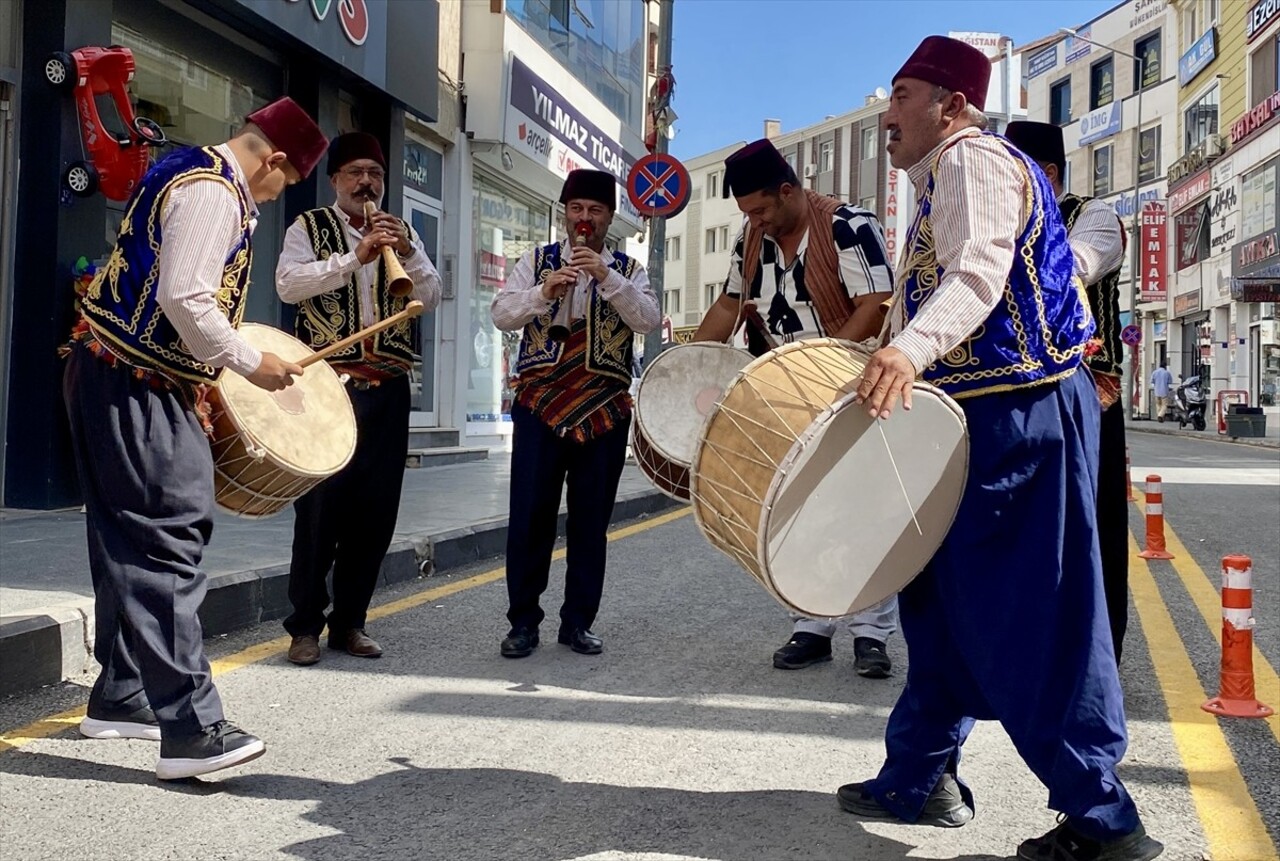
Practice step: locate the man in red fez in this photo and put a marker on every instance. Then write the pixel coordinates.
(157, 326)
(1008, 620)
(333, 269)
(1097, 246)
(578, 304)
(824, 282)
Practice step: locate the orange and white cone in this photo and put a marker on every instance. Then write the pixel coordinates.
(1155, 521)
(1236, 693)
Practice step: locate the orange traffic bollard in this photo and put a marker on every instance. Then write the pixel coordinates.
(1155, 521)
(1128, 482)
(1236, 695)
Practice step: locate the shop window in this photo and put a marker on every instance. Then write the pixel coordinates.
(1264, 70)
(1149, 154)
(869, 144)
(1060, 102)
(1102, 171)
(1258, 201)
(1191, 233)
(673, 248)
(1200, 120)
(1147, 66)
(1102, 89)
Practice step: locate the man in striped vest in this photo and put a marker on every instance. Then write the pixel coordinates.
(572, 407)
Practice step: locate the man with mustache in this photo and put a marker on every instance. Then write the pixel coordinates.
(332, 269)
(1008, 620)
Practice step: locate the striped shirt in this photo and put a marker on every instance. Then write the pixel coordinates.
(786, 307)
(977, 215)
(1097, 242)
(200, 221)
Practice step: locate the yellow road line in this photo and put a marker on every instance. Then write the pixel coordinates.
(1227, 811)
(54, 724)
(1209, 602)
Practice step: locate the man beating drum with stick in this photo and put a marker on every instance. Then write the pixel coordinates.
(146, 469)
(836, 288)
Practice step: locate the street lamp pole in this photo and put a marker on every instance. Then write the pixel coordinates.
(1135, 242)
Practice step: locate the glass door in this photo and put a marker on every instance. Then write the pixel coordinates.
(424, 215)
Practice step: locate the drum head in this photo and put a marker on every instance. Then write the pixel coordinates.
(678, 391)
(837, 530)
(308, 427)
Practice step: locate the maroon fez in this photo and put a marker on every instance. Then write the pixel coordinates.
(352, 146)
(756, 166)
(591, 185)
(292, 132)
(952, 65)
(1042, 142)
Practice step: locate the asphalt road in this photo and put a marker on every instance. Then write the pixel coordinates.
(679, 742)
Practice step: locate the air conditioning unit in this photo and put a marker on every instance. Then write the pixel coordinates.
(810, 171)
(1213, 146)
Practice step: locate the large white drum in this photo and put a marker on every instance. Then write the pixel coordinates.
(676, 394)
(830, 510)
(269, 448)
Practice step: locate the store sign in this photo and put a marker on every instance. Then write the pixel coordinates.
(1123, 204)
(987, 43)
(1144, 11)
(1257, 117)
(1186, 303)
(1078, 47)
(1224, 216)
(1154, 281)
(1042, 61)
(899, 209)
(1194, 188)
(353, 17)
(1198, 56)
(1099, 124)
(1257, 19)
(422, 169)
(1254, 254)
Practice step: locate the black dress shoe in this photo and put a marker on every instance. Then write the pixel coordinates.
(870, 658)
(520, 643)
(581, 641)
(803, 650)
(1065, 843)
(945, 807)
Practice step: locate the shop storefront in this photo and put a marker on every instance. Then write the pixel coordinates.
(201, 66)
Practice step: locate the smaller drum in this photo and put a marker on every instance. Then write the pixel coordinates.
(832, 511)
(676, 394)
(269, 448)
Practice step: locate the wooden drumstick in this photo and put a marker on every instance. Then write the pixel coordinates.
(413, 309)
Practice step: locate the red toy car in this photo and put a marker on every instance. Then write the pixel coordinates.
(115, 157)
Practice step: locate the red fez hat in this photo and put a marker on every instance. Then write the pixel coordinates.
(756, 166)
(1041, 142)
(591, 185)
(352, 146)
(952, 65)
(292, 132)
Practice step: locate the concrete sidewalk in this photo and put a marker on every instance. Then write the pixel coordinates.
(449, 516)
(1170, 428)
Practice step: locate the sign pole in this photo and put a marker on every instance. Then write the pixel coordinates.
(658, 226)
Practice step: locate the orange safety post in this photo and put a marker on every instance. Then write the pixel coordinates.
(1236, 695)
(1155, 521)
(1128, 482)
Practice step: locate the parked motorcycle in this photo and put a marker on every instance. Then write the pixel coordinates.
(1189, 404)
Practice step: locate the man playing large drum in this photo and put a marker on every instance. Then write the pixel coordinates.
(332, 268)
(833, 288)
(158, 324)
(1008, 620)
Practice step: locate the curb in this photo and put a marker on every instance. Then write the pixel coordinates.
(48, 645)
(1204, 436)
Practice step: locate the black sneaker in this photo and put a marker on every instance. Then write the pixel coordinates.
(219, 746)
(871, 659)
(520, 643)
(803, 650)
(944, 808)
(114, 722)
(1065, 843)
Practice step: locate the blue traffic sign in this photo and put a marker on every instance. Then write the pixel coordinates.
(1131, 335)
(658, 186)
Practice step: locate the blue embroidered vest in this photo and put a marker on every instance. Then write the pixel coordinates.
(121, 304)
(609, 338)
(334, 315)
(1038, 331)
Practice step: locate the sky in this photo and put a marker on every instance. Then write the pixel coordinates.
(737, 62)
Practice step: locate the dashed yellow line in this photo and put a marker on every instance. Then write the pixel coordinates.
(1232, 823)
(55, 724)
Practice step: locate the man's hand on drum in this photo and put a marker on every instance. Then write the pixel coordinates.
(888, 376)
(559, 282)
(274, 373)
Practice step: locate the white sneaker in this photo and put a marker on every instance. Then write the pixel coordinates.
(104, 723)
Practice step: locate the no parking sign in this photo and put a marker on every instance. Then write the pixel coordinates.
(658, 186)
